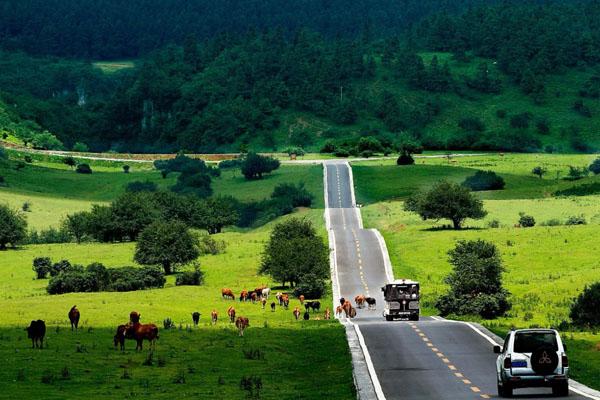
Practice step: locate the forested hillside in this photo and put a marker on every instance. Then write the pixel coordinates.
(515, 76)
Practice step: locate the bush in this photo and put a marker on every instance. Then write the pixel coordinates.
(255, 166)
(576, 173)
(297, 196)
(551, 222)
(83, 169)
(584, 310)
(27, 158)
(493, 224)
(60, 267)
(192, 278)
(405, 159)
(41, 266)
(126, 168)
(580, 190)
(50, 235)
(576, 220)
(484, 180)
(595, 167)
(328, 147)
(80, 147)
(209, 245)
(26, 207)
(311, 287)
(139, 186)
(471, 124)
(526, 221)
(229, 164)
(341, 152)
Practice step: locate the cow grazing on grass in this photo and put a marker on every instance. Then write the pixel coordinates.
(227, 294)
(306, 316)
(313, 305)
(36, 332)
(196, 318)
(296, 313)
(338, 311)
(286, 301)
(140, 332)
(119, 338)
(253, 297)
(266, 292)
(301, 298)
(371, 303)
(213, 316)
(273, 306)
(263, 302)
(244, 295)
(231, 313)
(360, 301)
(134, 317)
(74, 316)
(279, 297)
(327, 313)
(242, 323)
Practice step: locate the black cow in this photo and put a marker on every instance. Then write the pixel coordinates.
(273, 306)
(36, 332)
(196, 318)
(306, 316)
(313, 305)
(371, 303)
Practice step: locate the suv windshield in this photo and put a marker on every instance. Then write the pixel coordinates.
(528, 342)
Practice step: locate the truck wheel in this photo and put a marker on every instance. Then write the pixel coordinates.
(389, 318)
(414, 317)
(561, 389)
(505, 390)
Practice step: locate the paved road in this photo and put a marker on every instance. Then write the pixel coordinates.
(430, 359)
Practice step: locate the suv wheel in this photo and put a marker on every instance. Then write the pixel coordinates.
(505, 390)
(389, 318)
(561, 389)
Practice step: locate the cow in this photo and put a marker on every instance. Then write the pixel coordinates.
(286, 301)
(342, 301)
(306, 316)
(352, 312)
(74, 316)
(301, 298)
(253, 297)
(36, 332)
(213, 316)
(119, 338)
(347, 307)
(140, 332)
(272, 306)
(279, 297)
(263, 301)
(360, 301)
(371, 303)
(134, 317)
(266, 292)
(196, 318)
(327, 313)
(242, 323)
(227, 294)
(244, 295)
(231, 313)
(313, 305)
(296, 313)
(338, 311)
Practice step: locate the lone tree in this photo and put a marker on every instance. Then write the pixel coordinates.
(446, 200)
(255, 165)
(295, 252)
(70, 161)
(539, 171)
(475, 282)
(216, 213)
(13, 227)
(584, 310)
(168, 244)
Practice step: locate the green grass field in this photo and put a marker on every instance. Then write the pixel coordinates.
(295, 354)
(546, 266)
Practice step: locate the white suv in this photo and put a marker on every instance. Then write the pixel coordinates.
(532, 358)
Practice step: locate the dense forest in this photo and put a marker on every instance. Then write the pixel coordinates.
(219, 76)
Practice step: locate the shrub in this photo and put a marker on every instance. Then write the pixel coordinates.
(209, 245)
(405, 159)
(539, 171)
(584, 310)
(328, 147)
(229, 164)
(297, 196)
(576, 220)
(126, 168)
(139, 186)
(471, 124)
(70, 161)
(484, 180)
(255, 166)
(576, 173)
(493, 224)
(192, 278)
(311, 286)
(341, 152)
(551, 222)
(41, 266)
(60, 267)
(83, 169)
(526, 221)
(595, 167)
(369, 143)
(80, 147)
(26, 207)
(28, 159)
(50, 235)
(298, 151)
(366, 153)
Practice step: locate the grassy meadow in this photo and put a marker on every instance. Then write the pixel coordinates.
(546, 266)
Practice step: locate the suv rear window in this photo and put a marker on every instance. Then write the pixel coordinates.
(527, 342)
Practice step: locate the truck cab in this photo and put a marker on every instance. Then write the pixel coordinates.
(401, 300)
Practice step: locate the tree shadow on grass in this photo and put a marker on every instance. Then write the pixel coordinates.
(450, 228)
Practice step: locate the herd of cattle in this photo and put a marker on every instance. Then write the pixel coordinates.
(139, 332)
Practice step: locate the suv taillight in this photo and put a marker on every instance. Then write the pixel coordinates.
(565, 360)
(507, 362)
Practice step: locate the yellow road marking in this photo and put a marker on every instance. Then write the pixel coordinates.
(485, 396)
(435, 349)
(446, 360)
(466, 381)
(458, 374)
(475, 389)
(440, 355)
(452, 367)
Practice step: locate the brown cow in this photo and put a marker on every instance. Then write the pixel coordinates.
(253, 297)
(134, 317)
(327, 313)
(286, 301)
(301, 298)
(227, 294)
(139, 332)
(347, 307)
(74, 316)
(213, 316)
(352, 312)
(296, 313)
(338, 311)
(263, 302)
(231, 313)
(242, 323)
(36, 332)
(360, 301)
(244, 295)
(119, 338)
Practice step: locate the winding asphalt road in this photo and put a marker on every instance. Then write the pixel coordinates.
(430, 359)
